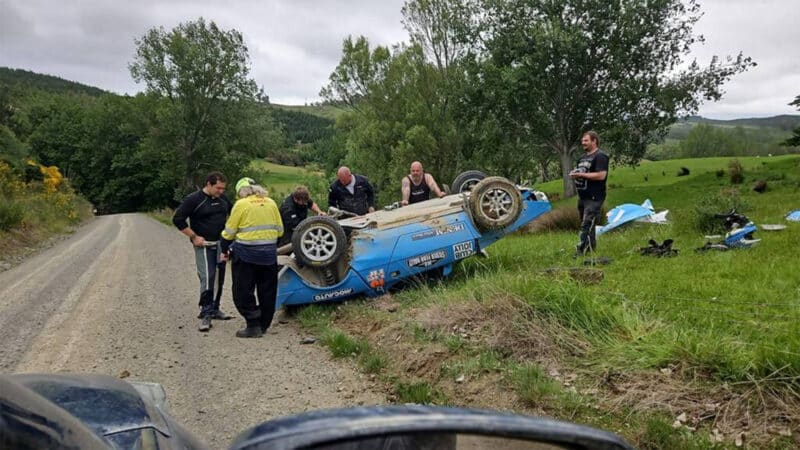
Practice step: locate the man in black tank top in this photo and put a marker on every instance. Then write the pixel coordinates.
(418, 185)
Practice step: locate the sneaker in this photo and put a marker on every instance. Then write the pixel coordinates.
(249, 332)
(205, 324)
(219, 315)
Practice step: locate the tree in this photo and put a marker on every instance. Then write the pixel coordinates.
(550, 70)
(356, 73)
(794, 140)
(399, 113)
(438, 26)
(205, 111)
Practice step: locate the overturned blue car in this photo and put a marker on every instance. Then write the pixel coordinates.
(368, 255)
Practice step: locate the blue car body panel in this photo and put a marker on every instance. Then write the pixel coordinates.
(382, 257)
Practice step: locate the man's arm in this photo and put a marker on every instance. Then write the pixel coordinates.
(600, 168)
(370, 196)
(332, 200)
(433, 186)
(315, 208)
(405, 190)
(594, 176)
(179, 220)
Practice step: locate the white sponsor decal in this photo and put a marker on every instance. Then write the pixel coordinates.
(444, 229)
(427, 259)
(463, 250)
(333, 294)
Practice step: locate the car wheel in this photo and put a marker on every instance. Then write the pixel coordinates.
(318, 241)
(465, 181)
(495, 203)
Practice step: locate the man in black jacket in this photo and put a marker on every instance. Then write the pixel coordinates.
(207, 210)
(351, 192)
(294, 210)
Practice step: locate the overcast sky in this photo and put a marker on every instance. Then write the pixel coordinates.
(295, 44)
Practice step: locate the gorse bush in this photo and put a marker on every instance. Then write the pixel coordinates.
(11, 215)
(559, 219)
(736, 171)
(707, 206)
(12, 184)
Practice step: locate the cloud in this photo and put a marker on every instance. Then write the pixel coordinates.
(295, 45)
(765, 30)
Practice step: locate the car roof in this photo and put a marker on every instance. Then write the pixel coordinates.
(417, 212)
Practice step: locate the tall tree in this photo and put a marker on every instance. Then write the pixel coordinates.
(357, 72)
(200, 72)
(438, 27)
(399, 114)
(794, 140)
(550, 70)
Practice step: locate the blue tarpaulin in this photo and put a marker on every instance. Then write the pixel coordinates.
(628, 212)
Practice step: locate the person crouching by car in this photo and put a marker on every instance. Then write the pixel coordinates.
(249, 241)
(294, 210)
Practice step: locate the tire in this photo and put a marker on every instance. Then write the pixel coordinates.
(319, 241)
(465, 181)
(495, 203)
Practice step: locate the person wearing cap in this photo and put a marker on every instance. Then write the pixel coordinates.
(206, 210)
(351, 192)
(294, 210)
(249, 241)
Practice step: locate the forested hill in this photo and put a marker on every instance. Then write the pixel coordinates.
(786, 122)
(24, 78)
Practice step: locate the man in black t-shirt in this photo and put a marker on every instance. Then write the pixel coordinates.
(590, 180)
(418, 186)
(294, 210)
(206, 210)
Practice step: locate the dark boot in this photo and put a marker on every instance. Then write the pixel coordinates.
(250, 332)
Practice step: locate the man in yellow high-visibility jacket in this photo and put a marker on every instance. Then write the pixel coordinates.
(249, 240)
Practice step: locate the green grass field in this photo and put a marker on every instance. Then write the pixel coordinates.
(281, 180)
(724, 325)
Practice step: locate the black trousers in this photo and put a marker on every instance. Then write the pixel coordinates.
(249, 280)
(589, 211)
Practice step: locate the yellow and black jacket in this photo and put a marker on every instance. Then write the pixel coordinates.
(253, 229)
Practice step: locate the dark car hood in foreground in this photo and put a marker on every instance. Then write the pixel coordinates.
(82, 411)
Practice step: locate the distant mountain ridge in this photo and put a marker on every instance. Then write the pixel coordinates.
(786, 122)
(49, 83)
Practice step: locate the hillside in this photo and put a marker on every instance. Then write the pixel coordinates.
(325, 111)
(24, 78)
(671, 353)
(765, 129)
(785, 122)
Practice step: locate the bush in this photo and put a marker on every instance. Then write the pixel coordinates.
(703, 219)
(736, 171)
(559, 219)
(11, 215)
(720, 173)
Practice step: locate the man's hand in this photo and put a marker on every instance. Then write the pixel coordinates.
(404, 203)
(224, 257)
(371, 209)
(198, 241)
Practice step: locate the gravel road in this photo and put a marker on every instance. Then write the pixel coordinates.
(119, 297)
